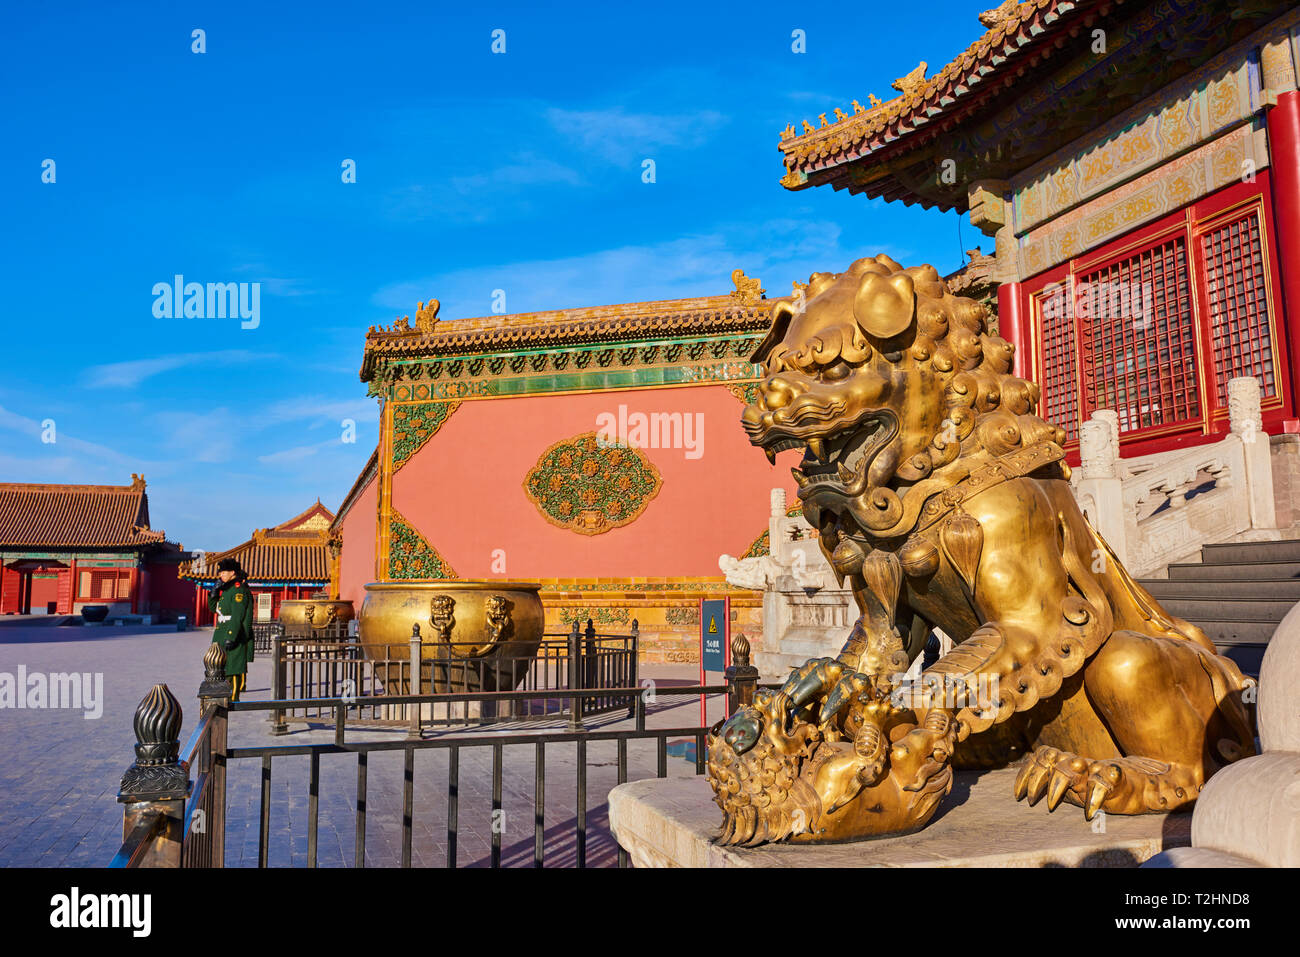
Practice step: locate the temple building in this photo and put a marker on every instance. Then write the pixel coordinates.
(63, 547)
(1138, 166)
(595, 450)
(294, 559)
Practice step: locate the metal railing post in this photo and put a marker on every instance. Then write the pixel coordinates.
(631, 667)
(590, 661)
(278, 668)
(575, 677)
(156, 784)
(742, 677)
(413, 686)
(214, 698)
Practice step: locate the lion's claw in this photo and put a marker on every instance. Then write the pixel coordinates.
(1122, 785)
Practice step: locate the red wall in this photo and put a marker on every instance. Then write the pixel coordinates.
(44, 590)
(357, 564)
(11, 583)
(165, 591)
(464, 490)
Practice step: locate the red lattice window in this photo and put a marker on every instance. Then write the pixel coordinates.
(1238, 305)
(1060, 402)
(1137, 335)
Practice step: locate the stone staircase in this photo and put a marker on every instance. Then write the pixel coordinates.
(1237, 593)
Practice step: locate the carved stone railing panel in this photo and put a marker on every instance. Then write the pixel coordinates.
(1157, 509)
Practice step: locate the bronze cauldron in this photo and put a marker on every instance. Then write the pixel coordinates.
(315, 614)
(478, 635)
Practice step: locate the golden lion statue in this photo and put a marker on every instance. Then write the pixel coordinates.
(944, 500)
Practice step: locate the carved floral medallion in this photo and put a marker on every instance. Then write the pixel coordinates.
(588, 488)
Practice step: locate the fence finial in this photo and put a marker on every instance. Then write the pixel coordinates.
(215, 683)
(740, 650)
(156, 773)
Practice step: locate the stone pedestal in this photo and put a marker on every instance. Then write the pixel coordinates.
(671, 822)
(1250, 811)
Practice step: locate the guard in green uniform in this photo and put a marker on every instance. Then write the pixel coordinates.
(232, 603)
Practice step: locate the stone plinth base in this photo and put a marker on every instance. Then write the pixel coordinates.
(671, 822)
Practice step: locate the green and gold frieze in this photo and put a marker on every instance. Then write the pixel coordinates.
(587, 369)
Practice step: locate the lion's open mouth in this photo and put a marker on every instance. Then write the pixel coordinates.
(839, 459)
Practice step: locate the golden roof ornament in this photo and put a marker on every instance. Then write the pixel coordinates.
(840, 115)
(427, 317)
(747, 290)
(998, 15)
(808, 127)
(912, 82)
(788, 132)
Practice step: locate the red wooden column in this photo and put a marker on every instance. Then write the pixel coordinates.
(1284, 166)
(76, 584)
(1012, 326)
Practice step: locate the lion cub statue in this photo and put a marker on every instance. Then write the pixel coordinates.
(944, 500)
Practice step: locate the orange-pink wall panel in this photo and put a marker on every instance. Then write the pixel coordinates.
(357, 566)
(464, 489)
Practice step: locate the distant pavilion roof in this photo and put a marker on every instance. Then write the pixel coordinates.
(76, 516)
(744, 310)
(293, 551)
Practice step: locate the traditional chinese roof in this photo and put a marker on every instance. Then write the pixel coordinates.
(1035, 55)
(76, 516)
(293, 551)
(743, 310)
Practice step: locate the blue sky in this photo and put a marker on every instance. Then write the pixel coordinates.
(474, 171)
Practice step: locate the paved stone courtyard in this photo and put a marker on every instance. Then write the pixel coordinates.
(59, 770)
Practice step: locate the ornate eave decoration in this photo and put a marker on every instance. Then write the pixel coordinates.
(1039, 48)
(414, 425)
(589, 488)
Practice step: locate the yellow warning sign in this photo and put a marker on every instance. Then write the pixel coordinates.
(713, 625)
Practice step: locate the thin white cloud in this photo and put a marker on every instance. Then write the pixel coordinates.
(620, 136)
(776, 251)
(131, 373)
(525, 170)
(319, 409)
(297, 453)
(36, 430)
(200, 436)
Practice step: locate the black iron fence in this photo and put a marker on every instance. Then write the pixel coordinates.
(264, 633)
(174, 821)
(308, 666)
